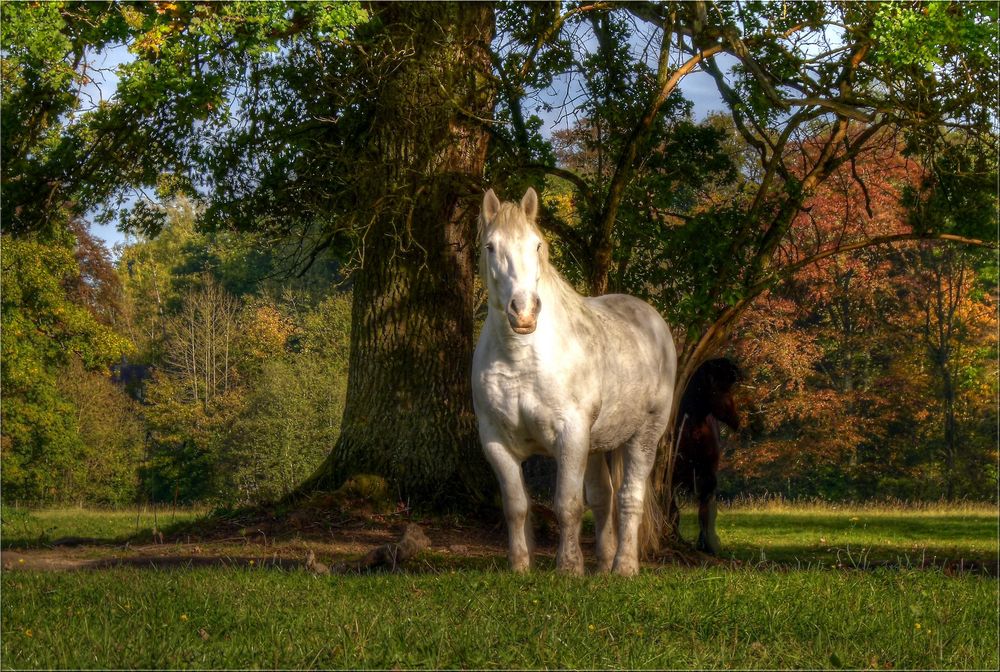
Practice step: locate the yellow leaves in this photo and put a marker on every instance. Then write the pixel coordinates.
(266, 331)
(133, 17)
(152, 41)
(561, 204)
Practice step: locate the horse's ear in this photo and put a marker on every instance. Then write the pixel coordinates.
(491, 205)
(530, 204)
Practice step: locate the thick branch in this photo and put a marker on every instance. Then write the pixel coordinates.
(788, 271)
(626, 161)
(844, 109)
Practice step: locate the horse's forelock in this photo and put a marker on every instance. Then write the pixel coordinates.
(511, 221)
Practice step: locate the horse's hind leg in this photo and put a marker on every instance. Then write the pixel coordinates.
(640, 452)
(600, 497)
(515, 503)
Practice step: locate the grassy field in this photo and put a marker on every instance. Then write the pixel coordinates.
(22, 527)
(802, 614)
(854, 536)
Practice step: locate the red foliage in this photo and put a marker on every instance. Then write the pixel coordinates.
(838, 376)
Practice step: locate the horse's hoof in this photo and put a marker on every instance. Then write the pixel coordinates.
(626, 568)
(520, 566)
(570, 567)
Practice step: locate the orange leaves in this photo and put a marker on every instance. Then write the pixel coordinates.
(861, 199)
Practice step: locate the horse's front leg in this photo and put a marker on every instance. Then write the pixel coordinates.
(708, 539)
(515, 499)
(600, 497)
(573, 451)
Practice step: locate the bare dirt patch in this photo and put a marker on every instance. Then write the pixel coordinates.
(338, 537)
(261, 541)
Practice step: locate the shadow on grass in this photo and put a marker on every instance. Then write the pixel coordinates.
(858, 539)
(834, 540)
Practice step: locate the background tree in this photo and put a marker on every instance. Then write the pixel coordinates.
(845, 393)
(44, 331)
(953, 315)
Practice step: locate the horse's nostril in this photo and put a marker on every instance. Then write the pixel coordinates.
(514, 308)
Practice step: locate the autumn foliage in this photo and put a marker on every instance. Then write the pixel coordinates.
(850, 358)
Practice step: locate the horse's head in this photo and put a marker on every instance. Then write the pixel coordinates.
(512, 258)
(711, 392)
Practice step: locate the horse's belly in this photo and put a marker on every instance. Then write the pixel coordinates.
(637, 405)
(611, 430)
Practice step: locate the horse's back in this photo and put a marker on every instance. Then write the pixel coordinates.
(642, 324)
(639, 365)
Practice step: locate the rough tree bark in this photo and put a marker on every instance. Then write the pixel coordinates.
(408, 415)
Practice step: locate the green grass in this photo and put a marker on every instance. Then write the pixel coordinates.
(854, 536)
(803, 614)
(20, 528)
(665, 618)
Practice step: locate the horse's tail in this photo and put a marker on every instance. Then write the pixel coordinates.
(651, 527)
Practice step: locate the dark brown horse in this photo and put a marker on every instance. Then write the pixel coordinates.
(707, 401)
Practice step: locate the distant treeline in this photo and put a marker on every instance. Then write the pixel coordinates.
(302, 181)
(196, 378)
(191, 368)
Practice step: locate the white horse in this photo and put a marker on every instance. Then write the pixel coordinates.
(558, 374)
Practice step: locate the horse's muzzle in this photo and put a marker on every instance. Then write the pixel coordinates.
(523, 330)
(522, 312)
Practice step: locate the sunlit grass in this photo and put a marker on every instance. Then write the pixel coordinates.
(854, 535)
(665, 618)
(26, 527)
(472, 613)
(779, 504)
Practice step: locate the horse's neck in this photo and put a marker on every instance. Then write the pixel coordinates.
(560, 295)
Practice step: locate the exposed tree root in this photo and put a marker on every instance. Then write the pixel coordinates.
(389, 557)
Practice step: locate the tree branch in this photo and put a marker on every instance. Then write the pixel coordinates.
(790, 270)
(569, 176)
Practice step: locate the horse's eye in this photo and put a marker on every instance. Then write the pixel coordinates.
(539, 247)
(490, 248)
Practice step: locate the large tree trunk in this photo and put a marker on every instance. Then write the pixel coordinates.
(409, 415)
